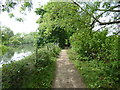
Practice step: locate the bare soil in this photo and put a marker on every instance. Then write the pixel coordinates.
(67, 75)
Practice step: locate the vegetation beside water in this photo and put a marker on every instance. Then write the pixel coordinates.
(3, 49)
(9, 38)
(31, 72)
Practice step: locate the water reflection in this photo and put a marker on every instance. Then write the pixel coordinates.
(16, 53)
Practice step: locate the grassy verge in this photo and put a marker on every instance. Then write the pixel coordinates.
(31, 72)
(97, 74)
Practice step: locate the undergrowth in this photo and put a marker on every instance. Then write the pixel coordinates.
(32, 72)
(97, 74)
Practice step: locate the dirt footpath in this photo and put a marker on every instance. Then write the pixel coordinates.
(66, 74)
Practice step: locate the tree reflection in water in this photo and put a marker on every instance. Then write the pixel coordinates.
(16, 53)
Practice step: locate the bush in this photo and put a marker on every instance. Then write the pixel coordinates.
(98, 51)
(97, 74)
(95, 45)
(45, 54)
(14, 73)
(3, 49)
(31, 72)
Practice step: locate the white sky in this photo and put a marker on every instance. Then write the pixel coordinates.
(29, 24)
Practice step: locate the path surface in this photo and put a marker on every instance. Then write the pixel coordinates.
(66, 74)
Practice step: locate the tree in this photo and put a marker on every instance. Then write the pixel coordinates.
(29, 38)
(9, 5)
(15, 40)
(61, 22)
(6, 33)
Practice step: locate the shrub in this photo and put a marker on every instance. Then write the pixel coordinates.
(3, 49)
(31, 72)
(96, 45)
(97, 74)
(101, 50)
(45, 54)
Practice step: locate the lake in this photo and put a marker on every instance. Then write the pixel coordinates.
(16, 53)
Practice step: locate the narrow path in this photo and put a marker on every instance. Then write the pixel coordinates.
(66, 74)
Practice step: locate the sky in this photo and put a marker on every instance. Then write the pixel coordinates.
(29, 24)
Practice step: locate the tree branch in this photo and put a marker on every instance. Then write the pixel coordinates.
(96, 19)
(107, 23)
(85, 11)
(109, 10)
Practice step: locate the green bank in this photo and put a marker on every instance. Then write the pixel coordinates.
(34, 71)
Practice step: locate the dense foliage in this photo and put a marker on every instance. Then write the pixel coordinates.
(74, 23)
(94, 52)
(27, 73)
(57, 21)
(100, 53)
(96, 45)
(6, 34)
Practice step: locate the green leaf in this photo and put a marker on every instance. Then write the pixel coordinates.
(11, 15)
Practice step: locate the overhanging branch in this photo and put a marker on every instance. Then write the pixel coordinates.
(107, 23)
(101, 23)
(85, 11)
(108, 10)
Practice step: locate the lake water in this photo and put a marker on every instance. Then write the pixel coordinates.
(16, 53)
